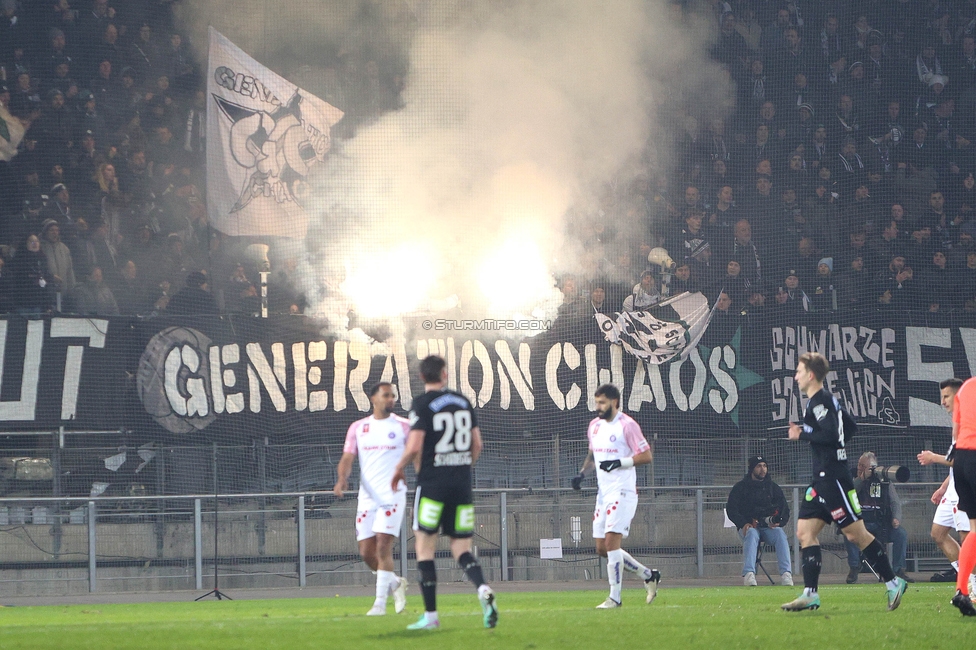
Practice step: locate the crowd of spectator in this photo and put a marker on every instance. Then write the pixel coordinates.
(103, 207)
(842, 179)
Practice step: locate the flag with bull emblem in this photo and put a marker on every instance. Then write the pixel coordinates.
(264, 135)
(668, 330)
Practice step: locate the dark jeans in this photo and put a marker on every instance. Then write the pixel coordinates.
(899, 546)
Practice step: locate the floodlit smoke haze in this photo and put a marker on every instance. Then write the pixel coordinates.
(515, 115)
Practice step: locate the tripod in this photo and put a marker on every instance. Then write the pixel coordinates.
(217, 593)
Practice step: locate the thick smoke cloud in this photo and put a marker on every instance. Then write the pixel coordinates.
(516, 120)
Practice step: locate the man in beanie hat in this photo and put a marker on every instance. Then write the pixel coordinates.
(758, 508)
(823, 295)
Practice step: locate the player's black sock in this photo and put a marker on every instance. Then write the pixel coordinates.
(471, 569)
(875, 555)
(811, 561)
(428, 584)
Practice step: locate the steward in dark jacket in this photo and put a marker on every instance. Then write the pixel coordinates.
(755, 500)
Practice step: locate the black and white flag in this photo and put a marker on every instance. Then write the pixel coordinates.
(668, 330)
(264, 134)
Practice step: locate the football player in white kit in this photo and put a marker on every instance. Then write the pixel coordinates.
(616, 447)
(379, 441)
(947, 514)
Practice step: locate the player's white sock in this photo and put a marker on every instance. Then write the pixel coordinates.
(431, 616)
(383, 581)
(955, 565)
(483, 590)
(394, 582)
(634, 566)
(615, 563)
(891, 584)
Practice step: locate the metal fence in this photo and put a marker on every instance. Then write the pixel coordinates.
(68, 465)
(60, 546)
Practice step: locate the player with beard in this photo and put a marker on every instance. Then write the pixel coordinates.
(831, 496)
(616, 447)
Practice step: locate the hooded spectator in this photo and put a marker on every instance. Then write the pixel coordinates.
(31, 282)
(55, 128)
(938, 284)
(855, 286)
(734, 285)
(194, 298)
(681, 281)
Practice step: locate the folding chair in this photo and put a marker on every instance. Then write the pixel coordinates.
(759, 549)
(759, 554)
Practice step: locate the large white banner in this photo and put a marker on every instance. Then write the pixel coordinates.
(672, 328)
(264, 134)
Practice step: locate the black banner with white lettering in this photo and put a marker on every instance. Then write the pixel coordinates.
(233, 380)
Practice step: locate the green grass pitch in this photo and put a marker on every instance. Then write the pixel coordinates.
(714, 618)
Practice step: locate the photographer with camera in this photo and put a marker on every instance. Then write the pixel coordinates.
(881, 511)
(757, 507)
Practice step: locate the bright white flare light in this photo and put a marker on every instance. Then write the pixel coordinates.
(514, 277)
(390, 283)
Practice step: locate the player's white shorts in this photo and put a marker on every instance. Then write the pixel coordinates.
(950, 516)
(372, 518)
(614, 513)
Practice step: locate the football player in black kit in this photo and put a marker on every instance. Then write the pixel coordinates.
(445, 433)
(831, 496)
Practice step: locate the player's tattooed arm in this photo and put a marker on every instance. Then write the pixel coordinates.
(343, 472)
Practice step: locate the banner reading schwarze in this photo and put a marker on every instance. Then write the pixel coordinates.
(885, 370)
(264, 134)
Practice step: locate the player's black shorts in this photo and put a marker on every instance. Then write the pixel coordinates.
(832, 500)
(964, 473)
(445, 508)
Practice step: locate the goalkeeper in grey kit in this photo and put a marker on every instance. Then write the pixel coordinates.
(831, 496)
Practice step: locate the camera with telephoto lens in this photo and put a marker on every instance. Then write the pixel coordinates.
(772, 520)
(889, 473)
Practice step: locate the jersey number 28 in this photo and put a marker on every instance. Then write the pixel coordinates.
(457, 431)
